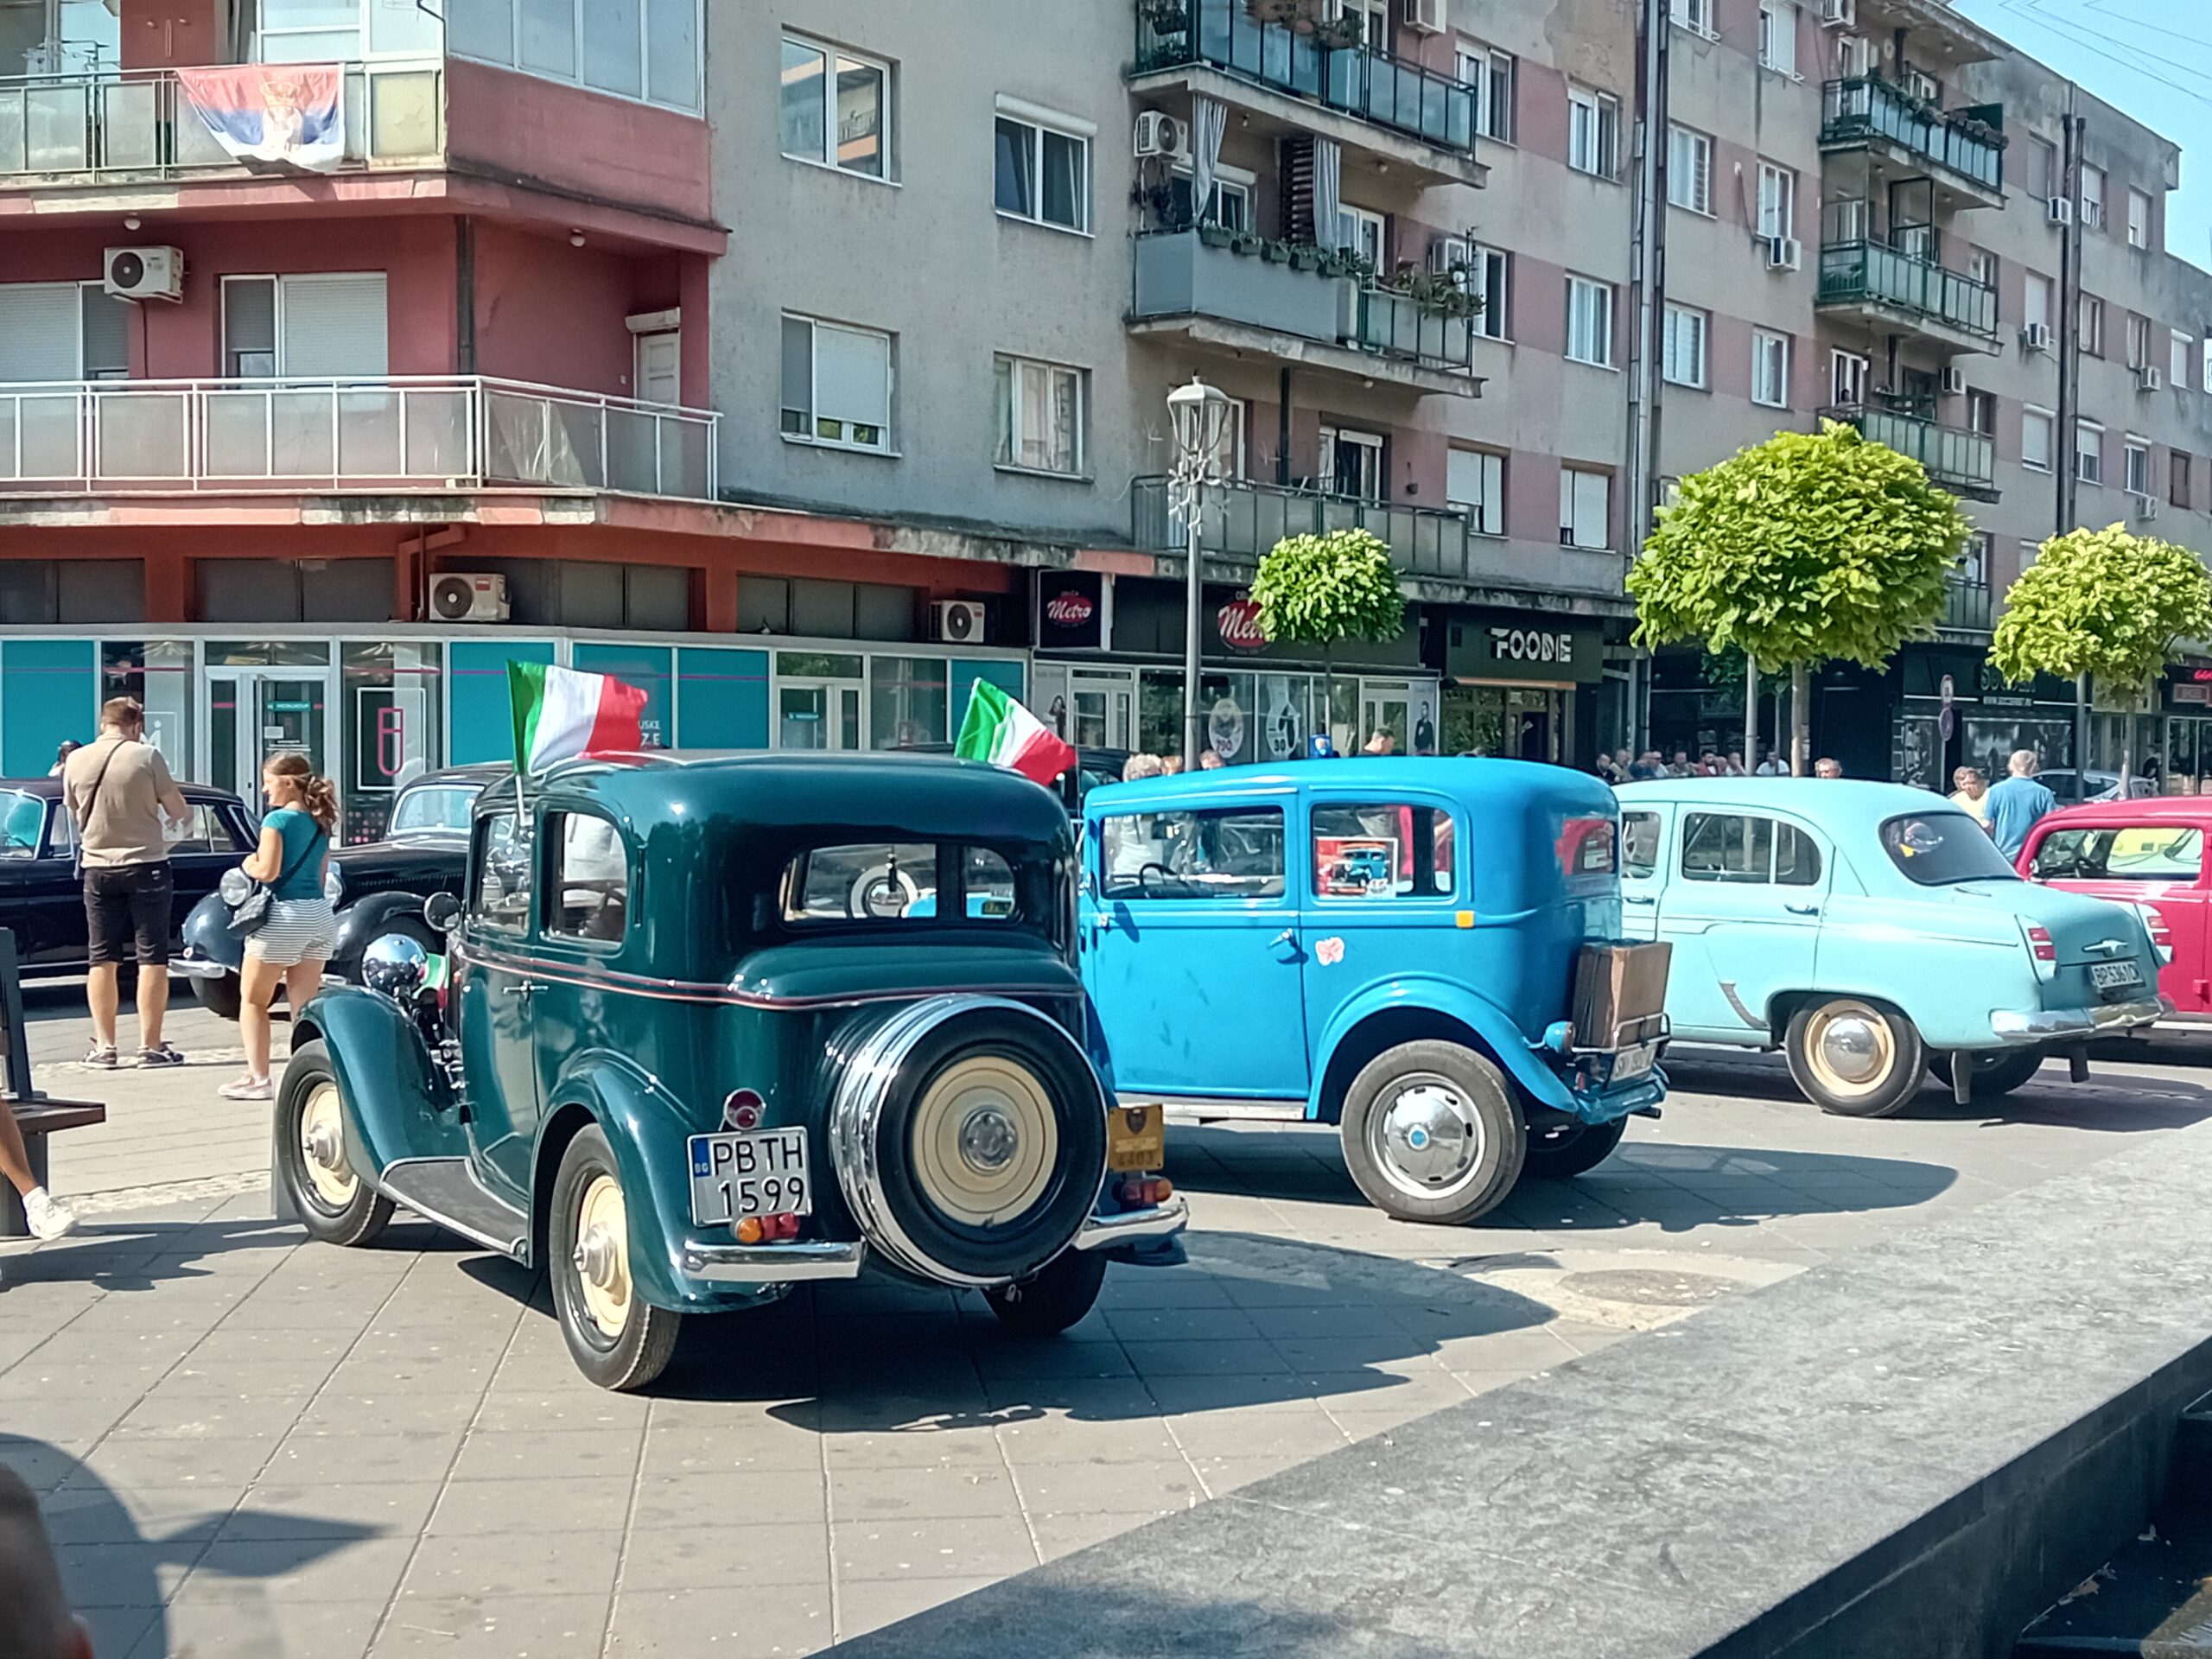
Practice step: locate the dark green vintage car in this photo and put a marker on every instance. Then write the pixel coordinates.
(712, 1025)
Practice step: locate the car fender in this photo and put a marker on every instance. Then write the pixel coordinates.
(1454, 1000)
(208, 933)
(362, 921)
(397, 1100)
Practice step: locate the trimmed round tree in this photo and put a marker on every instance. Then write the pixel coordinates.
(2105, 603)
(1323, 590)
(1808, 547)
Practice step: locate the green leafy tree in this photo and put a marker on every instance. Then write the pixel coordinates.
(1323, 590)
(1808, 547)
(2105, 603)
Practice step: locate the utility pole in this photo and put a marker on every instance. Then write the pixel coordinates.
(2069, 381)
(1648, 282)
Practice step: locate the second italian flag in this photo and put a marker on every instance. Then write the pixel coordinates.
(560, 713)
(1000, 730)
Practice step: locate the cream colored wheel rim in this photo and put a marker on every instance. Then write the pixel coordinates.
(323, 1148)
(1850, 1049)
(602, 1256)
(984, 1142)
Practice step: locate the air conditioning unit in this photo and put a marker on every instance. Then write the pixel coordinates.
(1840, 14)
(1426, 15)
(1161, 134)
(2059, 210)
(143, 273)
(1955, 381)
(2146, 507)
(958, 621)
(1784, 253)
(2149, 378)
(1450, 256)
(2036, 337)
(466, 596)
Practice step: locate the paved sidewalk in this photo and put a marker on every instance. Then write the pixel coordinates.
(252, 1446)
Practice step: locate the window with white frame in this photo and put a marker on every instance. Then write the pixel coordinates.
(306, 31)
(1365, 233)
(2135, 465)
(1981, 413)
(1683, 359)
(1846, 379)
(1474, 481)
(1594, 126)
(1855, 57)
(1778, 36)
(2177, 464)
(63, 330)
(2089, 325)
(2139, 340)
(652, 50)
(1777, 201)
(1493, 74)
(1231, 206)
(1689, 169)
(2038, 433)
(324, 324)
(2093, 196)
(1039, 417)
(1043, 165)
(836, 385)
(2042, 172)
(1586, 500)
(1351, 463)
(1974, 562)
(1981, 266)
(2036, 298)
(1695, 16)
(2180, 351)
(1770, 369)
(2089, 452)
(834, 108)
(2138, 218)
(1590, 321)
(1490, 279)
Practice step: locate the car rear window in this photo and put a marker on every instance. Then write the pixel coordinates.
(2145, 852)
(1937, 848)
(22, 817)
(432, 809)
(896, 882)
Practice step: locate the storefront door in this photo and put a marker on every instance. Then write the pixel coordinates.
(1102, 708)
(818, 715)
(254, 713)
(1386, 706)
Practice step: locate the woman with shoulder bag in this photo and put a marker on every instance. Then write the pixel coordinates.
(294, 933)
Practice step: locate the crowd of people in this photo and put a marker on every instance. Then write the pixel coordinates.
(1625, 766)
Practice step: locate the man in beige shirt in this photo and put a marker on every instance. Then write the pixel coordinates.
(116, 790)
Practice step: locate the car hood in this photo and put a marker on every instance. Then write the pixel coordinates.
(2075, 920)
(400, 856)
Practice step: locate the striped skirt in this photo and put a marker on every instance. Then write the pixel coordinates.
(297, 931)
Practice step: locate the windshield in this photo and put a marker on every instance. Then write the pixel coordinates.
(432, 810)
(22, 817)
(1937, 848)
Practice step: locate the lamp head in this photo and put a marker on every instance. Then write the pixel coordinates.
(1200, 415)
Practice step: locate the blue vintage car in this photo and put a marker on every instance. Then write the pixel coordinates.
(716, 1026)
(1870, 932)
(1395, 946)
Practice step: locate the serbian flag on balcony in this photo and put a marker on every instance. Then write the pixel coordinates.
(287, 114)
(561, 713)
(1000, 730)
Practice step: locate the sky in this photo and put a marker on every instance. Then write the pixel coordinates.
(2152, 59)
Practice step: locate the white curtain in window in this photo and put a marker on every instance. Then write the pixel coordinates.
(38, 331)
(1328, 190)
(1209, 118)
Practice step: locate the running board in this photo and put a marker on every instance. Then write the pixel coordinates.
(446, 1190)
(1271, 1111)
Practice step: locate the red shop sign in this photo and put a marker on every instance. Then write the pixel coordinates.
(1239, 622)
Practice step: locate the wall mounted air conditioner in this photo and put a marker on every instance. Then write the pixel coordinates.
(2150, 378)
(2036, 337)
(1426, 15)
(2146, 507)
(1840, 14)
(1784, 253)
(2059, 210)
(958, 621)
(143, 273)
(468, 596)
(1161, 134)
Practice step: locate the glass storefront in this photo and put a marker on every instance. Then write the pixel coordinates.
(907, 701)
(391, 712)
(1519, 722)
(1255, 718)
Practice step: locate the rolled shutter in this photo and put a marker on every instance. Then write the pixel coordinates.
(39, 337)
(335, 326)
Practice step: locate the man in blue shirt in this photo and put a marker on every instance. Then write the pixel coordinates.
(2015, 805)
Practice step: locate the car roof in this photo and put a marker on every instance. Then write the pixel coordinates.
(1471, 780)
(2189, 809)
(482, 773)
(1837, 803)
(50, 789)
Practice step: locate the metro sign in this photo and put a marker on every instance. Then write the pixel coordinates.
(1069, 610)
(1239, 622)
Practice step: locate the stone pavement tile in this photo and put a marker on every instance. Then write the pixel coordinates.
(374, 1457)
(1061, 1436)
(1202, 1323)
(405, 1409)
(281, 1306)
(40, 1465)
(267, 1379)
(542, 1413)
(61, 1417)
(981, 1545)
(571, 1503)
(520, 1455)
(1534, 1348)
(763, 1552)
(222, 1465)
(734, 1622)
(1297, 1426)
(505, 1627)
(414, 1345)
(949, 1492)
(236, 1350)
(1129, 1288)
(796, 1497)
(971, 1446)
(118, 1629)
(1072, 1488)
(399, 1374)
(526, 1561)
(282, 1514)
(764, 1408)
(234, 1622)
(1381, 1319)
(303, 1569)
(1063, 1535)
(178, 1516)
(117, 1353)
(1092, 1399)
(1395, 1356)
(741, 1449)
(164, 1414)
(870, 1603)
(1375, 1389)
(1074, 1361)
(1232, 1356)
(124, 1575)
(1221, 1475)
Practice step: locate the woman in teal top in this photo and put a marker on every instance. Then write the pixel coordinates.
(296, 940)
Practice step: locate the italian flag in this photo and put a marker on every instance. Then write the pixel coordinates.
(560, 713)
(1000, 730)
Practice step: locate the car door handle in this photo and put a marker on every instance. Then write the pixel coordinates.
(1288, 936)
(1803, 910)
(1637, 899)
(525, 988)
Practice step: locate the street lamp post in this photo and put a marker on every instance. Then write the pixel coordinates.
(1200, 413)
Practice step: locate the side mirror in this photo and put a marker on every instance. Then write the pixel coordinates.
(443, 912)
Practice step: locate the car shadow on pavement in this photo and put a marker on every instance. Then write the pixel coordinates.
(125, 1258)
(119, 1577)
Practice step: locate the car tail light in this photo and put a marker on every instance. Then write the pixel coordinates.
(2162, 936)
(2041, 949)
(767, 1229)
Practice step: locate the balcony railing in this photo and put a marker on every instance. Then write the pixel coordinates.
(1955, 458)
(1865, 107)
(379, 435)
(1966, 604)
(1869, 273)
(140, 123)
(1243, 521)
(1356, 80)
(1397, 326)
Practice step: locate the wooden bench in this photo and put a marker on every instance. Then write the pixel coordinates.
(39, 1118)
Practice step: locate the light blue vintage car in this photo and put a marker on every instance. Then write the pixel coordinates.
(1870, 930)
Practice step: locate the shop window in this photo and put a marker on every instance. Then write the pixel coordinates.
(1382, 850)
(907, 701)
(1232, 852)
(391, 715)
(159, 674)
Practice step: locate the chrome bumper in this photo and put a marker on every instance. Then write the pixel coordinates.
(1162, 1221)
(2048, 1024)
(772, 1264)
(195, 967)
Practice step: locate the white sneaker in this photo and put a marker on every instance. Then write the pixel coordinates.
(47, 1216)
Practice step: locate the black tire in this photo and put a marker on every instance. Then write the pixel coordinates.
(1576, 1149)
(1054, 1299)
(632, 1357)
(1884, 1040)
(220, 997)
(310, 1084)
(1483, 1157)
(1996, 1071)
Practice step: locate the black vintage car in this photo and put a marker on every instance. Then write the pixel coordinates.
(378, 887)
(41, 894)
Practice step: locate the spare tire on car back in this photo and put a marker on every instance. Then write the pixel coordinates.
(969, 1135)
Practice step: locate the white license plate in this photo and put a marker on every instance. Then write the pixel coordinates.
(759, 1173)
(2112, 975)
(1632, 1063)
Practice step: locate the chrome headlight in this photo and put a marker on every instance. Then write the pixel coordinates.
(394, 964)
(234, 886)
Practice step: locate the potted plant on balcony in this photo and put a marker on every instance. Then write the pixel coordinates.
(1308, 17)
(1304, 255)
(1440, 292)
(1217, 236)
(1164, 17)
(1276, 252)
(1246, 242)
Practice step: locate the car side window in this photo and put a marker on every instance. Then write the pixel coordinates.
(2136, 853)
(1230, 852)
(1796, 858)
(1382, 850)
(503, 873)
(204, 831)
(589, 896)
(1640, 845)
(1746, 850)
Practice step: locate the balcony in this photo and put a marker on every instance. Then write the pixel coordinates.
(1895, 293)
(1963, 462)
(1237, 294)
(1365, 98)
(386, 436)
(1868, 113)
(1243, 521)
(1966, 605)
